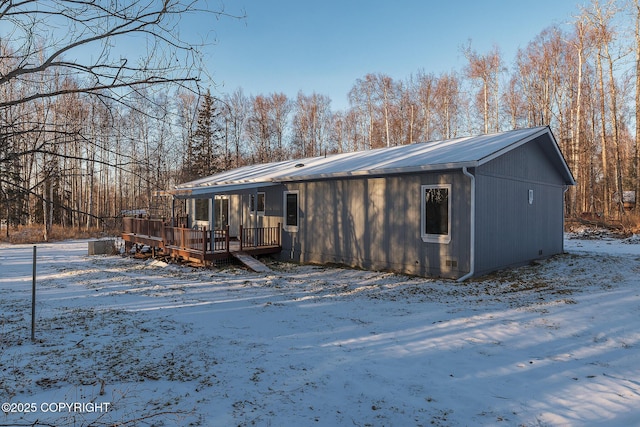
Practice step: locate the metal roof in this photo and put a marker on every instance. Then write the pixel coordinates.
(449, 154)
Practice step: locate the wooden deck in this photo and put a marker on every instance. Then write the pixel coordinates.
(199, 245)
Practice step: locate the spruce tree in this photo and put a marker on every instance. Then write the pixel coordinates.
(204, 156)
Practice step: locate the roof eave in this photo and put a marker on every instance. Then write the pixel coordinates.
(220, 188)
(379, 172)
(514, 145)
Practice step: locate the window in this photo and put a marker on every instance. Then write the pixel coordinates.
(202, 210)
(261, 203)
(291, 210)
(436, 213)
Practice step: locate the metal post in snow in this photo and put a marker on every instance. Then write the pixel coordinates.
(33, 298)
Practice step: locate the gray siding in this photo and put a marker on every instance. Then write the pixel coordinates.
(532, 162)
(273, 208)
(509, 230)
(374, 223)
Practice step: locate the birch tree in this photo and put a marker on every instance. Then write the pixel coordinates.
(487, 69)
(636, 158)
(311, 125)
(447, 103)
(236, 118)
(600, 17)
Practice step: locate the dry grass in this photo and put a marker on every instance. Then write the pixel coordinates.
(626, 226)
(34, 234)
(632, 222)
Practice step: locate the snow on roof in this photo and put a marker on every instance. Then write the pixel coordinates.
(425, 156)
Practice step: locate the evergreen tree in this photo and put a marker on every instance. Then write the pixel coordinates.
(204, 156)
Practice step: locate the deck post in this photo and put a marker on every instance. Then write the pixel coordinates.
(279, 234)
(173, 211)
(241, 236)
(226, 239)
(182, 240)
(204, 243)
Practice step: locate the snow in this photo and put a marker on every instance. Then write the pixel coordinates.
(554, 343)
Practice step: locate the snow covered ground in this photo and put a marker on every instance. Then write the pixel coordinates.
(130, 342)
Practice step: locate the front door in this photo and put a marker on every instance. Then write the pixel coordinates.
(221, 209)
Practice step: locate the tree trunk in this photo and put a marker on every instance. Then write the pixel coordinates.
(613, 102)
(636, 157)
(45, 232)
(606, 197)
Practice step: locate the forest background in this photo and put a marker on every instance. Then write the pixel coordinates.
(87, 135)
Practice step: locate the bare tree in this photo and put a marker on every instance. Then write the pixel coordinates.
(486, 68)
(535, 69)
(51, 51)
(56, 35)
(636, 158)
(260, 128)
(236, 118)
(447, 102)
(386, 93)
(513, 103)
(280, 110)
(361, 98)
(425, 88)
(311, 125)
(600, 18)
(581, 44)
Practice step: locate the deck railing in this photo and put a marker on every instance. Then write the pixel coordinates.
(255, 237)
(145, 226)
(201, 240)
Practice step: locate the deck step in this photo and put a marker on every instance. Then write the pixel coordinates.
(251, 262)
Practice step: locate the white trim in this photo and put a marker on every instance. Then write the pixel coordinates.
(434, 238)
(215, 216)
(291, 228)
(197, 220)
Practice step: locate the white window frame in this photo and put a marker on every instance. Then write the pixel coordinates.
(434, 238)
(255, 203)
(199, 219)
(291, 228)
(215, 216)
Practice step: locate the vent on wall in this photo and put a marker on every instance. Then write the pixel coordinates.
(451, 263)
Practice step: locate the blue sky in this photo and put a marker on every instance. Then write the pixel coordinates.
(324, 46)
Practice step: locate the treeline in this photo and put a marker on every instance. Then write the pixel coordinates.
(80, 156)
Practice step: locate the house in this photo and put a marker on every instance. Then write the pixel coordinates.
(628, 199)
(456, 208)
